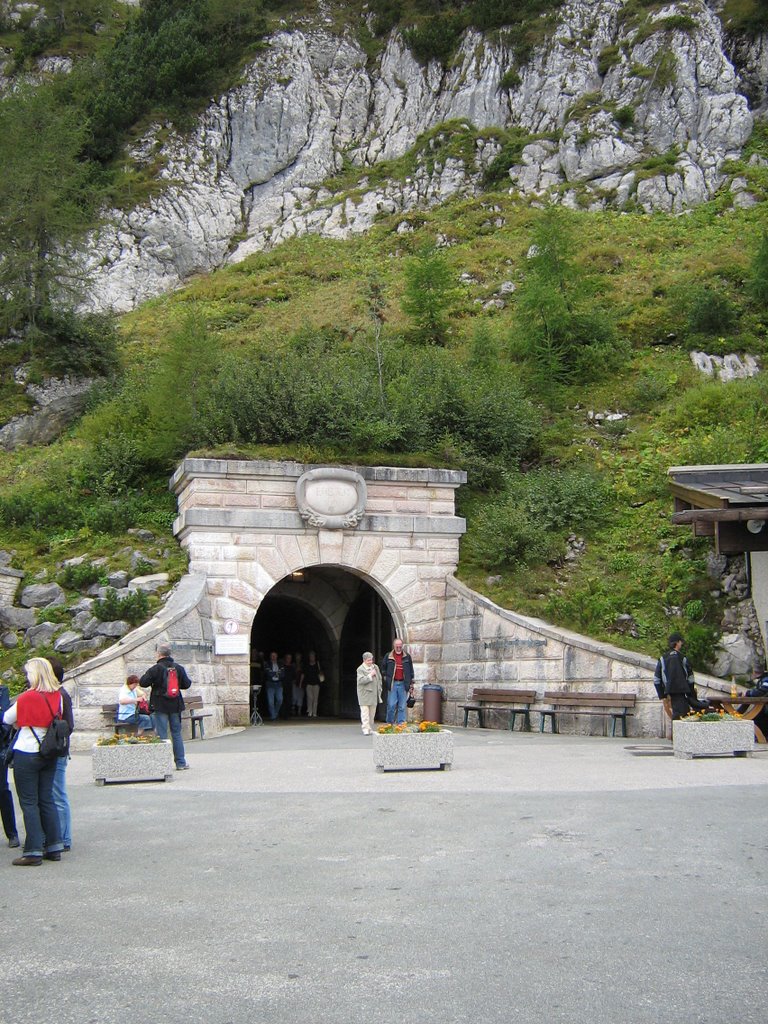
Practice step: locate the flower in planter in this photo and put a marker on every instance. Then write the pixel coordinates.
(712, 716)
(126, 741)
(398, 730)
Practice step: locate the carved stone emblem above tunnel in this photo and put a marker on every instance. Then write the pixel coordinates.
(331, 498)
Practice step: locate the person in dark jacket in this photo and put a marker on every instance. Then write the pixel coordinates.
(6, 797)
(673, 678)
(397, 674)
(166, 711)
(60, 795)
(760, 689)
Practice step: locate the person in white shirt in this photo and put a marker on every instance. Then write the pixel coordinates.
(131, 694)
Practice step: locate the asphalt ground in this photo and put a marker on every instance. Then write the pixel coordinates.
(283, 879)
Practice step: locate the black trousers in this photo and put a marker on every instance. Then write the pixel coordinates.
(6, 801)
(684, 703)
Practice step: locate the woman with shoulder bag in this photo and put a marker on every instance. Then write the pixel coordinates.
(32, 714)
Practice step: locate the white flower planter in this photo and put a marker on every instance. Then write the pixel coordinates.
(133, 762)
(411, 751)
(704, 739)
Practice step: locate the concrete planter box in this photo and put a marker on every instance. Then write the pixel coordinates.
(703, 739)
(133, 762)
(410, 751)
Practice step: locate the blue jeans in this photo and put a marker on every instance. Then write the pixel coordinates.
(61, 799)
(396, 698)
(34, 788)
(274, 701)
(162, 722)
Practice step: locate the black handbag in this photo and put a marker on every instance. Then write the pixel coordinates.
(55, 743)
(7, 750)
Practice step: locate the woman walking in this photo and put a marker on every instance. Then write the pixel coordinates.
(368, 692)
(32, 714)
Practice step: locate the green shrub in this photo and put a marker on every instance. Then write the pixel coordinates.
(511, 153)
(510, 79)
(81, 344)
(757, 280)
(133, 608)
(609, 58)
(386, 15)
(435, 38)
(80, 577)
(530, 522)
(710, 310)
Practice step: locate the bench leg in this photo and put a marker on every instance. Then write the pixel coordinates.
(466, 717)
(195, 722)
(623, 717)
(526, 727)
(548, 714)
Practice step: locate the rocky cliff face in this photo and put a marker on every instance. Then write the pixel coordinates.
(612, 113)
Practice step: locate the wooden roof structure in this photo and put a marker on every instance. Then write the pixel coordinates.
(728, 503)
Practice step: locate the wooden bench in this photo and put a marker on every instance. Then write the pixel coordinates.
(193, 710)
(513, 702)
(110, 711)
(193, 707)
(605, 704)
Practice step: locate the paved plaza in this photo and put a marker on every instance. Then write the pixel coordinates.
(282, 879)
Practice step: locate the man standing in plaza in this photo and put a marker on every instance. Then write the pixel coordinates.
(167, 679)
(673, 678)
(397, 673)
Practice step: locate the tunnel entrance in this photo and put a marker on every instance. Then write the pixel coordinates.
(332, 612)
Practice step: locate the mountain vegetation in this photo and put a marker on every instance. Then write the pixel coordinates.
(487, 334)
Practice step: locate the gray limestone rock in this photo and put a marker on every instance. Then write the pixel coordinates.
(736, 656)
(9, 640)
(17, 618)
(117, 628)
(118, 580)
(254, 166)
(42, 635)
(149, 584)
(58, 403)
(43, 595)
(66, 642)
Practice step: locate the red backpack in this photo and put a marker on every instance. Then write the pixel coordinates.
(171, 682)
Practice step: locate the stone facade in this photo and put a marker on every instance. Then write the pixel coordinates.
(250, 528)
(9, 584)
(244, 531)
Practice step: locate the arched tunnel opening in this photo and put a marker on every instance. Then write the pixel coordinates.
(332, 612)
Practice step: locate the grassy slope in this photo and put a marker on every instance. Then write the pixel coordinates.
(637, 563)
(645, 266)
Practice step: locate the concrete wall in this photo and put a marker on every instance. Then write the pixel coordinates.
(9, 584)
(485, 645)
(759, 564)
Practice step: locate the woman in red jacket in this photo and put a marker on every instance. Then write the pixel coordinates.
(32, 713)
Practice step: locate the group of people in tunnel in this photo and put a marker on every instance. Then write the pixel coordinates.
(293, 678)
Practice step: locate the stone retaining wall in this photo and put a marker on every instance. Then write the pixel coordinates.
(485, 645)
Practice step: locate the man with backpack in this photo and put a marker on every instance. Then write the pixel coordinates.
(166, 679)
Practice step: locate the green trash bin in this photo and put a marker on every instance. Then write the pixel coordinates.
(432, 697)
